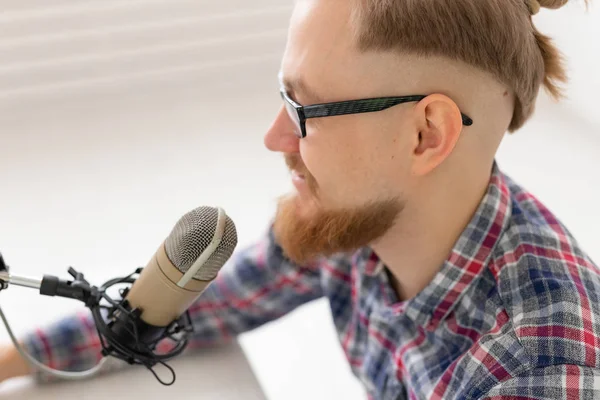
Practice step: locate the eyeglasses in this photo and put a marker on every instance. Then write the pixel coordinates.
(299, 114)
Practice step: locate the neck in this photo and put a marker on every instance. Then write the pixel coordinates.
(416, 247)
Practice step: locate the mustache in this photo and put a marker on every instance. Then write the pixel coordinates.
(294, 162)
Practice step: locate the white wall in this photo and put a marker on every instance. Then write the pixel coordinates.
(61, 45)
(576, 30)
(98, 117)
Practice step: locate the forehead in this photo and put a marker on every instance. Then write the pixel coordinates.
(320, 47)
(321, 53)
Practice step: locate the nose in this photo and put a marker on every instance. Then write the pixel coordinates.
(281, 137)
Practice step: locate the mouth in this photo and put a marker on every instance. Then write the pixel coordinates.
(300, 183)
(297, 176)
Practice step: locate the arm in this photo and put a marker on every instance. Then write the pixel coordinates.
(257, 287)
(554, 382)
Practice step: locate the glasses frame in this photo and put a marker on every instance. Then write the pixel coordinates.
(304, 113)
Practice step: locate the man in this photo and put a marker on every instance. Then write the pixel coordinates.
(446, 279)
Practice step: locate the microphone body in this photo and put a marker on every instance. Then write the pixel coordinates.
(157, 293)
(158, 300)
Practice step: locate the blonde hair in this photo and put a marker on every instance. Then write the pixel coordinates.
(497, 36)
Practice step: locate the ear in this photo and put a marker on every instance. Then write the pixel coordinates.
(439, 124)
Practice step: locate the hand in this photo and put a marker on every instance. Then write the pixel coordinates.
(12, 365)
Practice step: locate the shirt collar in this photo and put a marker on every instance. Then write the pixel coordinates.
(466, 261)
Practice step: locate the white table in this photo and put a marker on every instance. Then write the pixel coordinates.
(222, 373)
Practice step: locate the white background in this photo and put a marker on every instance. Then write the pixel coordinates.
(117, 117)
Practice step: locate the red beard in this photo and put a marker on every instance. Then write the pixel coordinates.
(321, 232)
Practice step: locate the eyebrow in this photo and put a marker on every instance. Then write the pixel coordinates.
(299, 86)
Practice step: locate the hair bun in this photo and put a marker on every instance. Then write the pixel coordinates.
(536, 5)
(554, 4)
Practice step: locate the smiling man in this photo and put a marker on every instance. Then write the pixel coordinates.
(446, 279)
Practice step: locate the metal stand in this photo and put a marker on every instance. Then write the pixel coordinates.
(123, 334)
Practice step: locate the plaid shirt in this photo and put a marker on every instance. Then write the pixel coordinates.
(513, 313)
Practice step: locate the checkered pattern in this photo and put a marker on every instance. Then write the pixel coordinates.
(513, 313)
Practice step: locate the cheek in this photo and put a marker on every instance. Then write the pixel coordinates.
(321, 164)
(354, 159)
(342, 172)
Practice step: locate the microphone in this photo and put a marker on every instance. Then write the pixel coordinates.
(180, 270)
(155, 305)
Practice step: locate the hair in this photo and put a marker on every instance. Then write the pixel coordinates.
(496, 36)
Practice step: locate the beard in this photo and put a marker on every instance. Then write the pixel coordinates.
(320, 232)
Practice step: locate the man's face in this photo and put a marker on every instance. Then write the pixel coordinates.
(351, 172)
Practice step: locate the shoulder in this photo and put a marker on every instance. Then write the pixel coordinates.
(549, 287)
(549, 292)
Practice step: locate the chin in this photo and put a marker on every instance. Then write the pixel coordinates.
(305, 229)
(303, 207)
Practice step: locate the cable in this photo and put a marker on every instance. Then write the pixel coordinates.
(36, 364)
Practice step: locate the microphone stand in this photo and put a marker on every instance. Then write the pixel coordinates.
(122, 332)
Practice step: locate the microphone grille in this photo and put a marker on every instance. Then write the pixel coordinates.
(193, 234)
